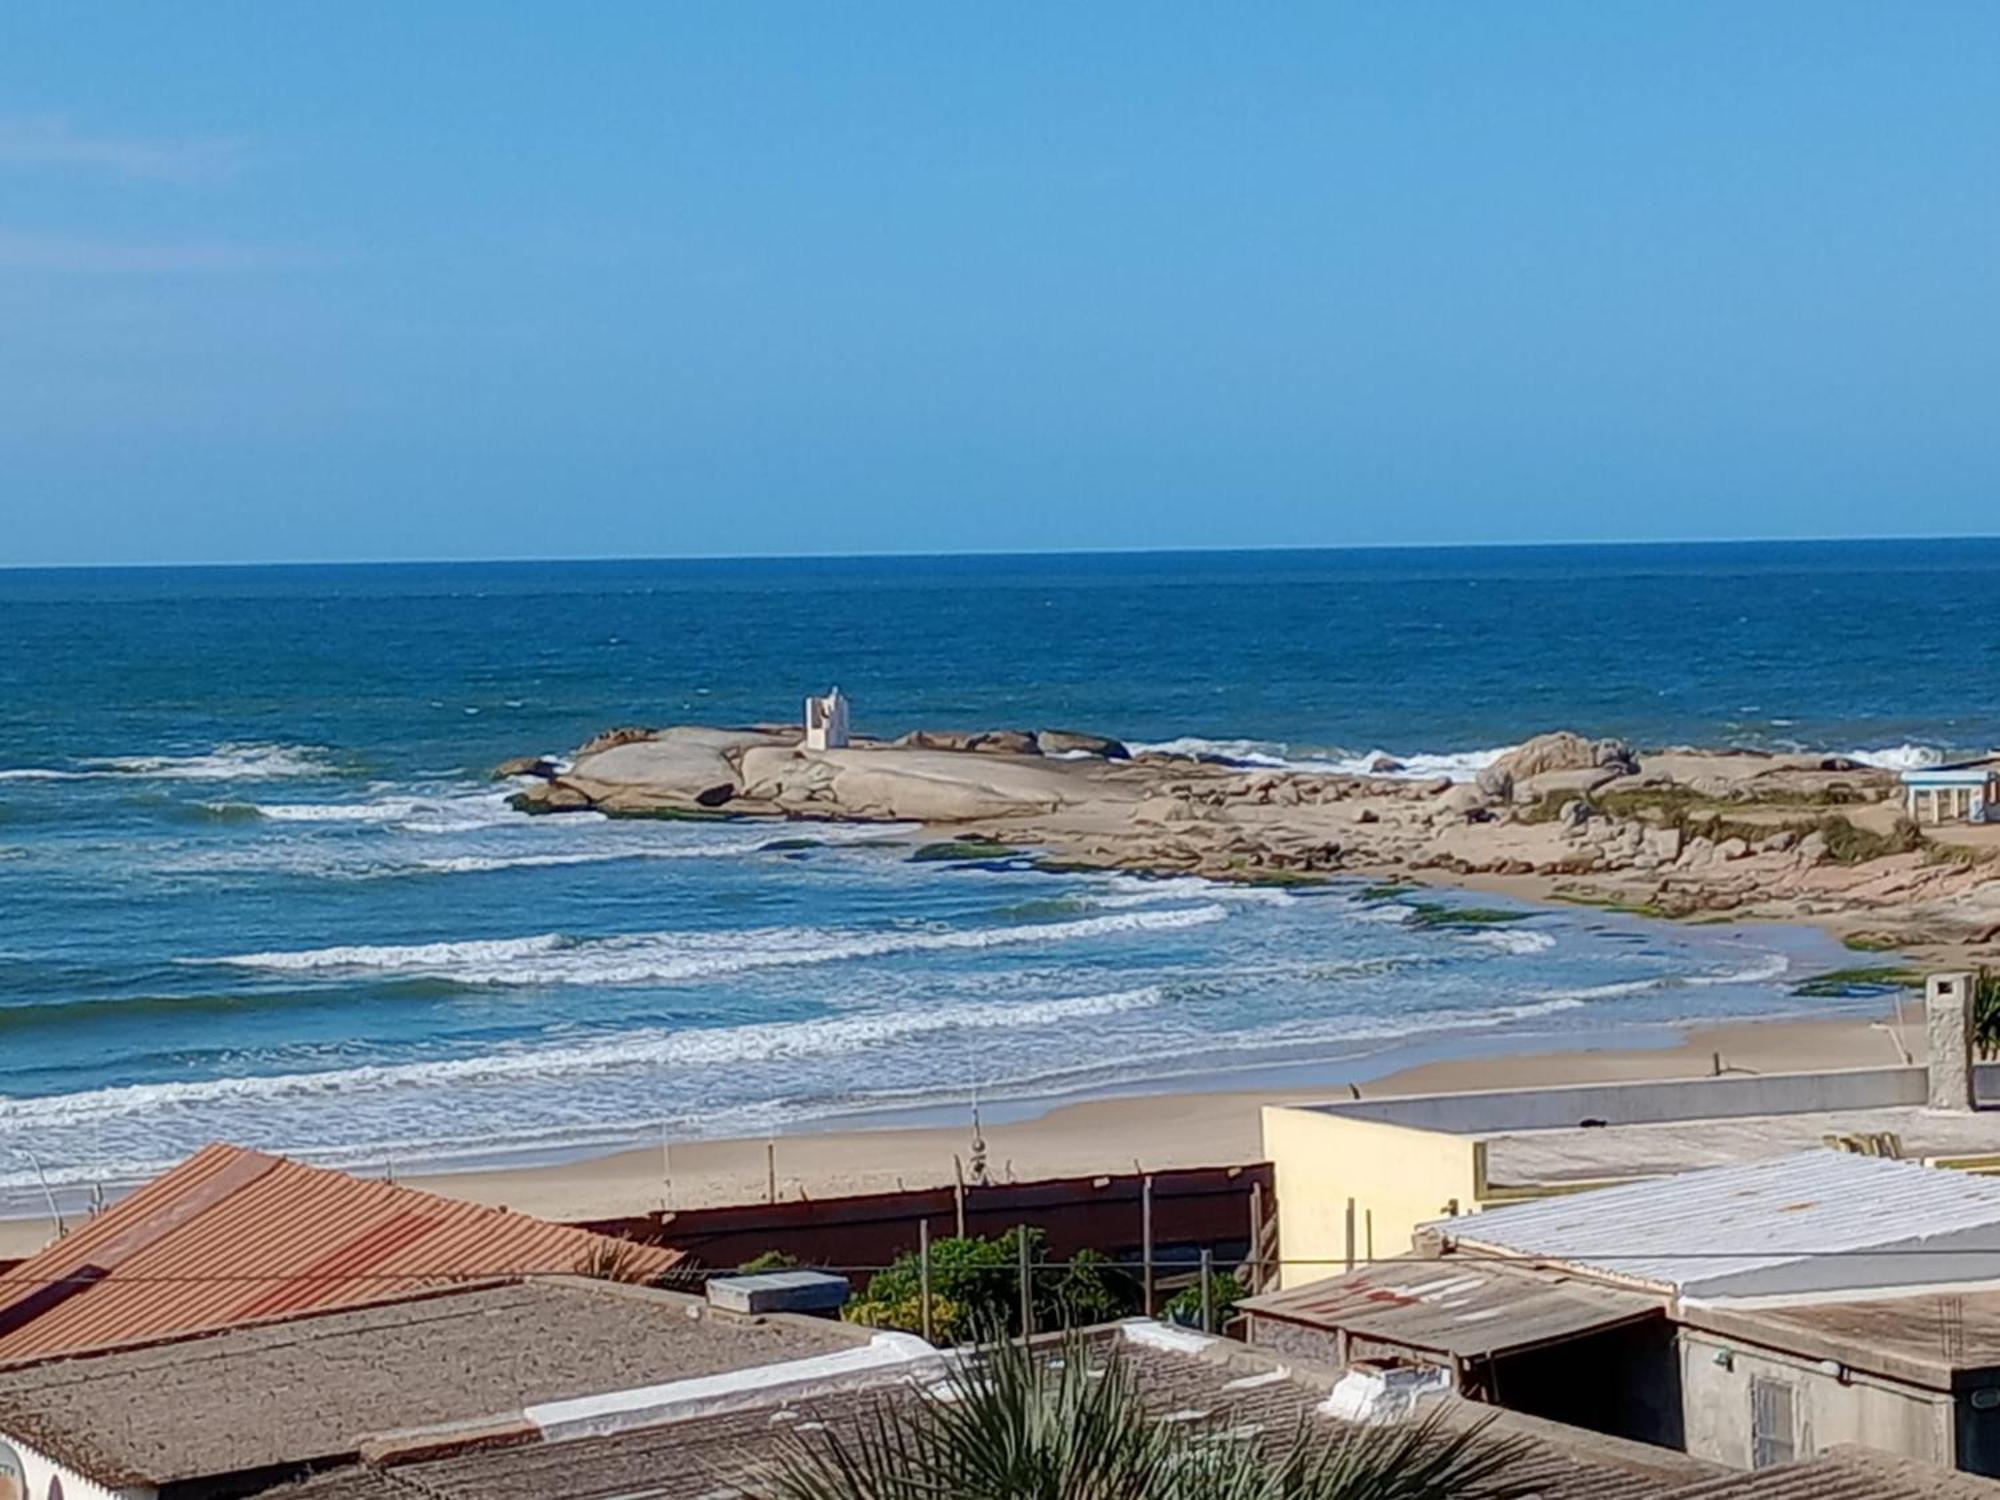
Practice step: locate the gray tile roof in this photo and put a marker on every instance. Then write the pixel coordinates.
(1213, 1382)
(307, 1390)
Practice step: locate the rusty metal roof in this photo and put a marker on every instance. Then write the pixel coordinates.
(1466, 1310)
(234, 1236)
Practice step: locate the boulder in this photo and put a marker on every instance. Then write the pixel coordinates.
(551, 797)
(1384, 765)
(1075, 742)
(1496, 782)
(1457, 804)
(525, 765)
(1566, 751)
(1581, 782)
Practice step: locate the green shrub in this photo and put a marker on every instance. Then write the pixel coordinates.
(976, 1289)
(1184, 1307)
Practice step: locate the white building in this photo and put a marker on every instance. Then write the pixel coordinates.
(826, 722)
(1967, 791)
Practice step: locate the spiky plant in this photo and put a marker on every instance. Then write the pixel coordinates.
(1072, 1424)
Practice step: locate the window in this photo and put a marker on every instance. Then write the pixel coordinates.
(1773, 1431)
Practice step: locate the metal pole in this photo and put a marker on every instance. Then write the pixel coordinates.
(1027, 1296)
(924, 1275)
(1207, 1292)
(1257, 1236)
(1146, 1239)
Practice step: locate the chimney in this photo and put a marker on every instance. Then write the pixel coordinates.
(1948, 1035)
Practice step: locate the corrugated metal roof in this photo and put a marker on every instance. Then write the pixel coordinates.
(233, 1236)
(1466, 1310)
(1683, 1232)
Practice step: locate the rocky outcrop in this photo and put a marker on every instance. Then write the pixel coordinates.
(1074, 742)
(542, 766)
(976, 741)
(1684, 832)
(1566, 751)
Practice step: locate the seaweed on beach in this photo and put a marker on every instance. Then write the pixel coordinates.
(790, 846)
(964, 851)
(1435, 914)
(1861, 983)
(1386, 891)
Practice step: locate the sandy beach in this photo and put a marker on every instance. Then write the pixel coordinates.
(1156, 1131)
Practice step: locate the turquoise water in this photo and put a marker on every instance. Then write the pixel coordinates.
(255, 885)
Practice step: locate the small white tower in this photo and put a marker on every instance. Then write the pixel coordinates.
(826, 722)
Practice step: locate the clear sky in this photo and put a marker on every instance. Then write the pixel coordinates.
(387, 280)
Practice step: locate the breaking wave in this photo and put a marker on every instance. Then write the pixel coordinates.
(720, 1046)
(228, 762)
(1459, 765)
(1511, 939)
(1768, 967)
(669, 957)
(1904, 757)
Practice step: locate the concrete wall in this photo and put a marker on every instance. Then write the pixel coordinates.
(1395, 1177)
(1731, 1097)
(1862, 1410)
(47, 1479)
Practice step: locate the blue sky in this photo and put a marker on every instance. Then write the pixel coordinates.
(372, 280)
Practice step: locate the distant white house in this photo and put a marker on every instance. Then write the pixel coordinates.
(1966, 791)
(826, 722)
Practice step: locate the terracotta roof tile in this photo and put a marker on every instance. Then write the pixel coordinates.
(234, 1236)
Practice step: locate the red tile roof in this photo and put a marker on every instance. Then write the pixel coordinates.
(233, 1236)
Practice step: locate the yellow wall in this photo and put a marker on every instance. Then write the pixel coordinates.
(1397, 1177)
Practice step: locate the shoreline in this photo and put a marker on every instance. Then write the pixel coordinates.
(1104, 1133)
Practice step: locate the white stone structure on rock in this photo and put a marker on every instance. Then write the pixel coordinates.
(826, 722)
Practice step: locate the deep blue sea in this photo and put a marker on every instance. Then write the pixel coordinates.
(255, 882)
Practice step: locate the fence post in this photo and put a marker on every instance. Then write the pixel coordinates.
(1207, 1294)
(924, 1275)
(1257, 1236)
(1146, 1239)
(770, 1171)
(958, 1193)
(1027, 1296)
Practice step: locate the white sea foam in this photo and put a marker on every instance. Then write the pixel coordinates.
(669, 957)
(1511, 939)
(712, 1047)
(1768, 967)
(1422, 765)
(228, 762)
(1905, 757)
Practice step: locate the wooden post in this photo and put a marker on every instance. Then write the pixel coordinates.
(1256, 1236)
(1027, 1293)
(1369, 1243)
(1146, 1239)
(1207, 1292)
(1350, 1234)
(958, 1192)
(924, 1276)
(770, 1171)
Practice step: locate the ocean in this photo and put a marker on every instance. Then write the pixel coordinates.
(256, 882)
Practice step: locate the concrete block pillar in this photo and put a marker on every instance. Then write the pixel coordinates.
(1948, 1036)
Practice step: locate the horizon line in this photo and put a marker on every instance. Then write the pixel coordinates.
(1000, 552)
